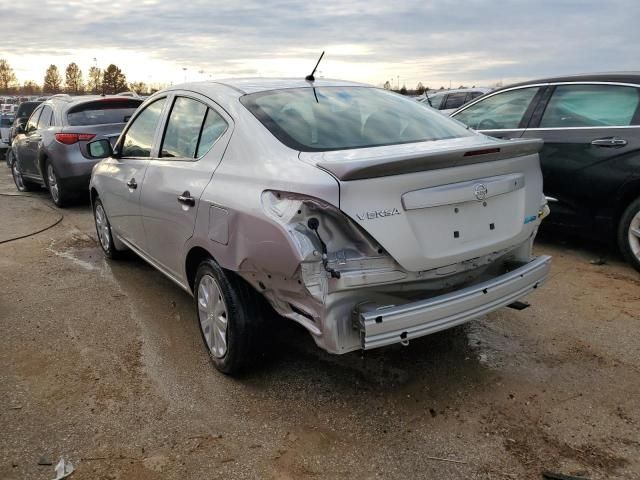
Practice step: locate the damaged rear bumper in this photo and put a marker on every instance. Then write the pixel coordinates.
(384, 325)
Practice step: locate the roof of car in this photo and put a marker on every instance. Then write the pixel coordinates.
(254, 85)
(458, 90)
(618, 77)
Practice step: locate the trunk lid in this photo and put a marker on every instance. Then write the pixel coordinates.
(435, 204)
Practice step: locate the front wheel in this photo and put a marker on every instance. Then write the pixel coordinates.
(9, 157)
(629, 234)
(230, 317)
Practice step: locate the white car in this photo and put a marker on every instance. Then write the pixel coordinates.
(363, 216)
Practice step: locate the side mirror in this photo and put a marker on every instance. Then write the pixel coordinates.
(100, 149)
(20, 128)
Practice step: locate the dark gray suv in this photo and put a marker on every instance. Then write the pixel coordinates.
(51, 150)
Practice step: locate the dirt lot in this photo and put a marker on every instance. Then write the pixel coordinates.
(102, 362)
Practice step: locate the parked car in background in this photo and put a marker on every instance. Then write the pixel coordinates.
(25, 109)
(447, 101)
(5, 130)
(51, 150)
(590, 125)
(353, 211)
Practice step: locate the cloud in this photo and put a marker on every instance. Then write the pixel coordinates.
(473, 42)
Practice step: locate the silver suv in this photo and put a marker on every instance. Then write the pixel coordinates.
(351, 210)
(51, 150)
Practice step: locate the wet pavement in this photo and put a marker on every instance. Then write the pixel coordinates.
(102, 362)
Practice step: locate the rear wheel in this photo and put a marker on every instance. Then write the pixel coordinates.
(21, 184)
(629, 234)
(230, 316)
(103, 229)
(58, 192)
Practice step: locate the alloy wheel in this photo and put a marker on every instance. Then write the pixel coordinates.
(212, 312)
(102, 227)
(634, 235)
(52, 181)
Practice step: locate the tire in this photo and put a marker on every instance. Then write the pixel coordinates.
(103, 229)
(21, 184)
(238, 309)
(8, 156)
(629, 234)
(57, 191)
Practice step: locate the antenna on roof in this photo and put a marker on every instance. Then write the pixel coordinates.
(311, 78)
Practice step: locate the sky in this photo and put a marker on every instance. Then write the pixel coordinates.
(437, 43)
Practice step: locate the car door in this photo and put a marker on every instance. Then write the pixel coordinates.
(195, 137)
(125, 172)
(24, 153)
(589, 132)
(35, 138)
(504, 114)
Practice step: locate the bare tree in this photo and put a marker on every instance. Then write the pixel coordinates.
(387, 85)
(30, 88)
(140, 88)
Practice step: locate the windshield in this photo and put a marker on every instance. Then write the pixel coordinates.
(339, 118)
(102, 112)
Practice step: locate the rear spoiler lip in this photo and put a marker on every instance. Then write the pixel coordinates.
(374, 167)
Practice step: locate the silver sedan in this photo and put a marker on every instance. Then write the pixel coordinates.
(351, 210)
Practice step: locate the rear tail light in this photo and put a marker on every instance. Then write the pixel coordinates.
(71, 138)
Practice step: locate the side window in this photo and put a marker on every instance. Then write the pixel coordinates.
(454, 100)
(473, 95)
(436, 100)
(139, 137)
(590, 106)
(183, 128)
(45, 117)
(32, 124)
(502, 111)
(213, 128)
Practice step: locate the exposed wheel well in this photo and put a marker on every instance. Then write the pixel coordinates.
(42, 162)
(631, 193)
(194, 257)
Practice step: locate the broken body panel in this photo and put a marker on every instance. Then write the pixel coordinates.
(391, 238)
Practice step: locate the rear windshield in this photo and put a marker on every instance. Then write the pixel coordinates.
(339, 118)
(5, 121)
(102, 112)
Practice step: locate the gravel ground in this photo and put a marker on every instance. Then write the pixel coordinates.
(102, 363)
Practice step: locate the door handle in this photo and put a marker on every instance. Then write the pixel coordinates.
(186, 199)
(132, 184)
(609, 142)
